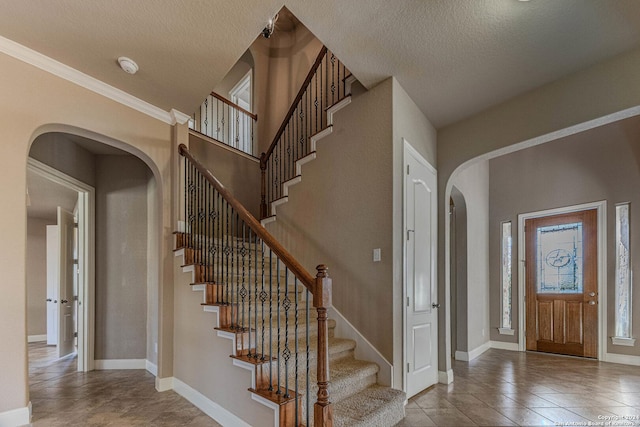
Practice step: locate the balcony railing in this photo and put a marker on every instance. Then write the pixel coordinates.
(226, 122)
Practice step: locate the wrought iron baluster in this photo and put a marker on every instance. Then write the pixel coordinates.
(278, 353)
(263, 299)
(249, 237)
(270, 321)
(286, 353)
(297, 350)
(307, 293)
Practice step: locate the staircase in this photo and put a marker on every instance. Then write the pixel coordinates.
(275, 313)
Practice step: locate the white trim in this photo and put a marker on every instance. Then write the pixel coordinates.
(506, 331)
(207, 406)
(364, 349)
(468, 356)
(86, 240)
(164, 384)
(223, 145)
(72, 75)
(601, 207)
(628, 342)
(178, 117)
(152, 368)
(16, 417)
(622, 359)
(37, 338)
(108, 364)
(445, 377)
(501, 345)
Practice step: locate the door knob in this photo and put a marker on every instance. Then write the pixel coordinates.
(592, 303)
(63, 301)
(435, 305)
(592, 294)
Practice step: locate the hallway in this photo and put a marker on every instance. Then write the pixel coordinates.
(508, 388)
(63, 397)
(500, 388)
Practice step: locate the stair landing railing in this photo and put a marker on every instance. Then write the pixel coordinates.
(226, 122)
(263, 295)
(324, 86)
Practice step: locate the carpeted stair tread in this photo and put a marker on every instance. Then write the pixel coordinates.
(376, 406)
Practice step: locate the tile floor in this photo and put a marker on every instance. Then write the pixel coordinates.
(500, 388)
(60, 396)
(505, 388)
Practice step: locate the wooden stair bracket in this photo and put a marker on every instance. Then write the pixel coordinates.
(323, 410)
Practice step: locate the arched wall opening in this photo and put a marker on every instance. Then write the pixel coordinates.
(125, 320)
(593, 161)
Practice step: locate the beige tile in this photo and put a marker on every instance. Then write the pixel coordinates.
(560, 415)
(525, 417)
(449, 417)
(484, 416)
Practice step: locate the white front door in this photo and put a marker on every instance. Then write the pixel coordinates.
(66, 324)
(421, 340)
(52, 284)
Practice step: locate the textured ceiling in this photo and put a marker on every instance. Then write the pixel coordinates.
(454, 57)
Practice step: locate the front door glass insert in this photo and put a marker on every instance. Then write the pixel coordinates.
(559, 261)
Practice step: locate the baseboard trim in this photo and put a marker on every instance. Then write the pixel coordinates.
(445, 377)
(108, 364)
(364, 349)
(16, 417)
(36, 338)
(468, 356)
(152, 368)
(164, 384)
(501, 345)
(623, 359)
(207, 406)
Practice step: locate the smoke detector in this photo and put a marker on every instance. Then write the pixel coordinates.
(128, 65)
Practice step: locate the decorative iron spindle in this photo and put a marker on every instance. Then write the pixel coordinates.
(228, 249)
(323, 87)
(226, 122)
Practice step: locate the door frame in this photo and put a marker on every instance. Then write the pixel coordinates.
(407, 148)
(601, 208)
(86, 258)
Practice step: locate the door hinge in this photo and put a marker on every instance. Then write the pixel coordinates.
(75, 335)
(75, 261)
(407, 169)
(408, 368)
(408, 303)
(75, 297)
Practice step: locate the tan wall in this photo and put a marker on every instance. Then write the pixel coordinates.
(473, 183)
(605, 88)
(57, 151)
(33, 102)
(342, 210)
(599, 164)
(37, 276)
(281, 65)
(239, 174)
(121, 258)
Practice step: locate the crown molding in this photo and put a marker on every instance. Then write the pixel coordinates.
(50, 65)
(178, 117)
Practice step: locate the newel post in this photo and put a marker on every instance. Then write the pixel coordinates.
(323, 409)
(263, 187)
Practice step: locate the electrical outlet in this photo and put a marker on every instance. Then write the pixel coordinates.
(376, 255)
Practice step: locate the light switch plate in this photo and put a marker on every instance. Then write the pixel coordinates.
(376, 255)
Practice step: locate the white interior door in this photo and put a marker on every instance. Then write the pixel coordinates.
(52, 284)
(421, 340)
(66, 324)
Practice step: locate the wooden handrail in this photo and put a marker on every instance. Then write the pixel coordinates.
(292, 109)
(234, 105)
(287, 259)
